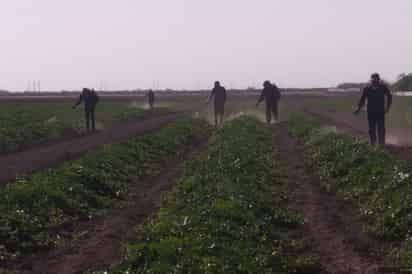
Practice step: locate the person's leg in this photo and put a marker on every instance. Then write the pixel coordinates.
(381, 130)
(268, 113)
(275, 111)
(372, 127)
(87, 118)
(93, 120)
(222, 114)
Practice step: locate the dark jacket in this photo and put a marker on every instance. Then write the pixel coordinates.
(219, 95)
(151, 96)
(90, 99)
(270, 94)
(375, 96)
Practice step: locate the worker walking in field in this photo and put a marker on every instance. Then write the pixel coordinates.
(219, 95)
(90, 99)
(151, 98)
(375, 94)
(271, 95)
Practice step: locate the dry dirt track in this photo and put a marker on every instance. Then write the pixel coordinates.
(46, 156)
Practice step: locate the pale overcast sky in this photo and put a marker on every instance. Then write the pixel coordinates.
(69, 44)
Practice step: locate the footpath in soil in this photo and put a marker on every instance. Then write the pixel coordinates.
(324, 226)
(46, 156)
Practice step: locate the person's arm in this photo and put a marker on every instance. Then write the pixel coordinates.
(389, 99)
(261, 98)
(79, 101)
(278, 95)
(362, 101)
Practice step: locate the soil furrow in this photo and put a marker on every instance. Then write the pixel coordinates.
(324, 225)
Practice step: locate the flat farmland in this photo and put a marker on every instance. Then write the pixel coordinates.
(164, 191)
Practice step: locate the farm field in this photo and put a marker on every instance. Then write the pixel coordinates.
(375, 182)
(44, 210)
(165, 192)
(24, 124)
(228, 214)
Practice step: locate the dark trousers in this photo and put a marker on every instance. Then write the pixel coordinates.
(219, 113)
(89, 113)
(272, 108)
(377, 126)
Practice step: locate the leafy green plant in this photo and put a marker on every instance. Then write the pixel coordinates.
(370, 177)
(32, 210)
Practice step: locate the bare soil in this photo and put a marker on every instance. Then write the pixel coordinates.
(331, 226)
(50, 155)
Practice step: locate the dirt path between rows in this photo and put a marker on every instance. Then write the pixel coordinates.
(27, 162)
(101, 243)
(359, 128)
(325, 227)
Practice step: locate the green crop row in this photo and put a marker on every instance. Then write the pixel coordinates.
(371, 178)
(228, 214)
(33, 209)
(25, 124)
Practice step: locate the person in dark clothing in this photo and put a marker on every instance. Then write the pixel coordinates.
(90, 99)
(151, 98)
(375, 94)
(271, 95)
(219, 95)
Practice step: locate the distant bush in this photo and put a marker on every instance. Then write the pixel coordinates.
(351, 85)
(404, 83)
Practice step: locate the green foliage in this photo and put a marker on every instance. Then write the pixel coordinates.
(33, 210)
(228, 214)
(370, 177)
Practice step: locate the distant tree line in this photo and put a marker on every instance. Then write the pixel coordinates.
(403, 83)
(351, 85)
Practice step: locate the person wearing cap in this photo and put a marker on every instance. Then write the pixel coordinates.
(219, 95)
(271, 95)
(374, 93)
(90, 99)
